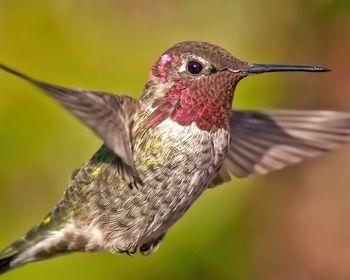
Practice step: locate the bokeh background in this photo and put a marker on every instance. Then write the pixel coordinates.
(293, 224)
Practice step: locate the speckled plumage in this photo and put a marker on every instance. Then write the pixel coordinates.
(163, 151)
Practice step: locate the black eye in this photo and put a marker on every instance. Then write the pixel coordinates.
(194, 67)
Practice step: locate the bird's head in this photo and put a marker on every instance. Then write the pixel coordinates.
(195, 82)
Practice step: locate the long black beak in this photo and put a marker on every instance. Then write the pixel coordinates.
(263, 68)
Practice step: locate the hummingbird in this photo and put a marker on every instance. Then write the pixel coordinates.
(161, 152)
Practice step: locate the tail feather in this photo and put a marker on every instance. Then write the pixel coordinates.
(5, 263)
(9, 257)
(56, 235)
(37, 245)
(21, 251)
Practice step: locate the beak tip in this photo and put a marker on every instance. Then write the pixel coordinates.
(321, 69)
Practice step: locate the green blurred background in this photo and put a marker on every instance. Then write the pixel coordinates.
(293, 224)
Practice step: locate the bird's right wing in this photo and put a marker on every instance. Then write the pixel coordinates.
(265, 141)
(109, 116)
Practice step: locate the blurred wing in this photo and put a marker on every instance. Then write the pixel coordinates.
(109, 116)
(264, 141)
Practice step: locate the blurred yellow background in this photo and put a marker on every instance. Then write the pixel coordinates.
(293, 224)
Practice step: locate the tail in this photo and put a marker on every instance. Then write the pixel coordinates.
(51, 238)
(5, 263)
(23, 250)
(44, 241)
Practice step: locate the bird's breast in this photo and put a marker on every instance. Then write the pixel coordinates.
(176, 164)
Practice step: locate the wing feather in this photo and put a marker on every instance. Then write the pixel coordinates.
(265, 141)
(109, 116)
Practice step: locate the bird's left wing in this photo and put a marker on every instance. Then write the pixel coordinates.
(109, 116)
(264, 141)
